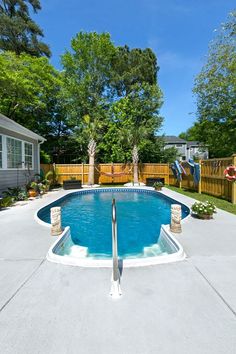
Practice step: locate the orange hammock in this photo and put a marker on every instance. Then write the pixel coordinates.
(109, 174)
(113, 174)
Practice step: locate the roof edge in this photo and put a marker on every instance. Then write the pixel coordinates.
(21, 129)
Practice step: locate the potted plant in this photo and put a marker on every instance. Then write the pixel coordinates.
(33, 189)
(42, 188)
(203, 210)
(158, 186)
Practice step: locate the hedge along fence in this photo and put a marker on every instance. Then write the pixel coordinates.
(212, 182)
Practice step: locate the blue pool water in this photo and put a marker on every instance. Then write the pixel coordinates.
(139, 217)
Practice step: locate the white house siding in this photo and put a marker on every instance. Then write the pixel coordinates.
(198, 152)
(18, 177)
(180, 147)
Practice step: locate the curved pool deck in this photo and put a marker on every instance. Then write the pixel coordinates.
(182, 307)
(176, 251)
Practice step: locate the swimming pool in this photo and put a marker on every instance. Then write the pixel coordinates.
(140, 214)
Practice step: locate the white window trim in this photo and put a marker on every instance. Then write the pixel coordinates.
(23, 154)
(4, 154)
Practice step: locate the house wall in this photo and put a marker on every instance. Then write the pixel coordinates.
(19, 177)
(182, 150)
(197, 152)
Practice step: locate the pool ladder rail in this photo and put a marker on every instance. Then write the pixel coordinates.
(115, 280)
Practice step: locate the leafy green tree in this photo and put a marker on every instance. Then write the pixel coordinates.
(18, 32)
(191, 134)
(30, 94)
(110, 91)
(215, 88)
(168, 155)
(137, 117)
(131, 67)
(87, 72)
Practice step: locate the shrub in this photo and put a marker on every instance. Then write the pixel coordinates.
(158, 185)
(203, 208)
(6, 202)
(16, 193)
(44, 157)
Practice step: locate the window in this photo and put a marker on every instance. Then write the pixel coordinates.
(14, 153)
(28, 155)
(0, 151)
(178, 145)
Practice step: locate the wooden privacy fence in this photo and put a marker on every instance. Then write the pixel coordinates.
(212, 182)
(109, 173)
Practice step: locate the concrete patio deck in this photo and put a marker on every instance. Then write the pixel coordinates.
(184, 307)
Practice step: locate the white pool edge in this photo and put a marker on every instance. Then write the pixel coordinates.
(90, 262)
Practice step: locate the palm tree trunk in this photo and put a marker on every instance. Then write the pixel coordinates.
(135, 163)
(91, 170)
(91, 151)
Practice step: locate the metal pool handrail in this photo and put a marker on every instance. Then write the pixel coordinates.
(115, 286)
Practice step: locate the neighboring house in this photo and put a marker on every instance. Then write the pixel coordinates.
(19, 154)
(197, 150)
(186, 149)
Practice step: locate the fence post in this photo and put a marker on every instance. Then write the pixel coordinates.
(233, 198)
(112, 172)
(82, 174)
(200, 181)
(168, 174)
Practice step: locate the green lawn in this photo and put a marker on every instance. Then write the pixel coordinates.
(219, 203)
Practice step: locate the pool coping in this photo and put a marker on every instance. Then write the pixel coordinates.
(90, 262)
(179, 255)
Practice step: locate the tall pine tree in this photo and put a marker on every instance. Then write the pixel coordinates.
(18, 32)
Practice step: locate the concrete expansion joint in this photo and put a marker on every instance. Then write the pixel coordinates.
(21, 259)
(21, 286)
(215, 290)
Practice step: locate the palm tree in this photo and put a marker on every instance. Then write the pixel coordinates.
(138, 117)
(91, 151)
(135, 159)
(91, 132)
(131, 136)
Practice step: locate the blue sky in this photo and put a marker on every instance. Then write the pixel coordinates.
(177, 31)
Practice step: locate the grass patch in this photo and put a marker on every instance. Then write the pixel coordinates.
(219, 203)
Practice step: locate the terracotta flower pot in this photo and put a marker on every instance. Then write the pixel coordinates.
(205, 216)
(32, 193)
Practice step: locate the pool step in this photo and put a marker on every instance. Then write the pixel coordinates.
(154, 250)
(79, 251)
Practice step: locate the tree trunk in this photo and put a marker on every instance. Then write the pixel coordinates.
(91, 170)
(135, 163)
(136, 173)
(91, 151)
